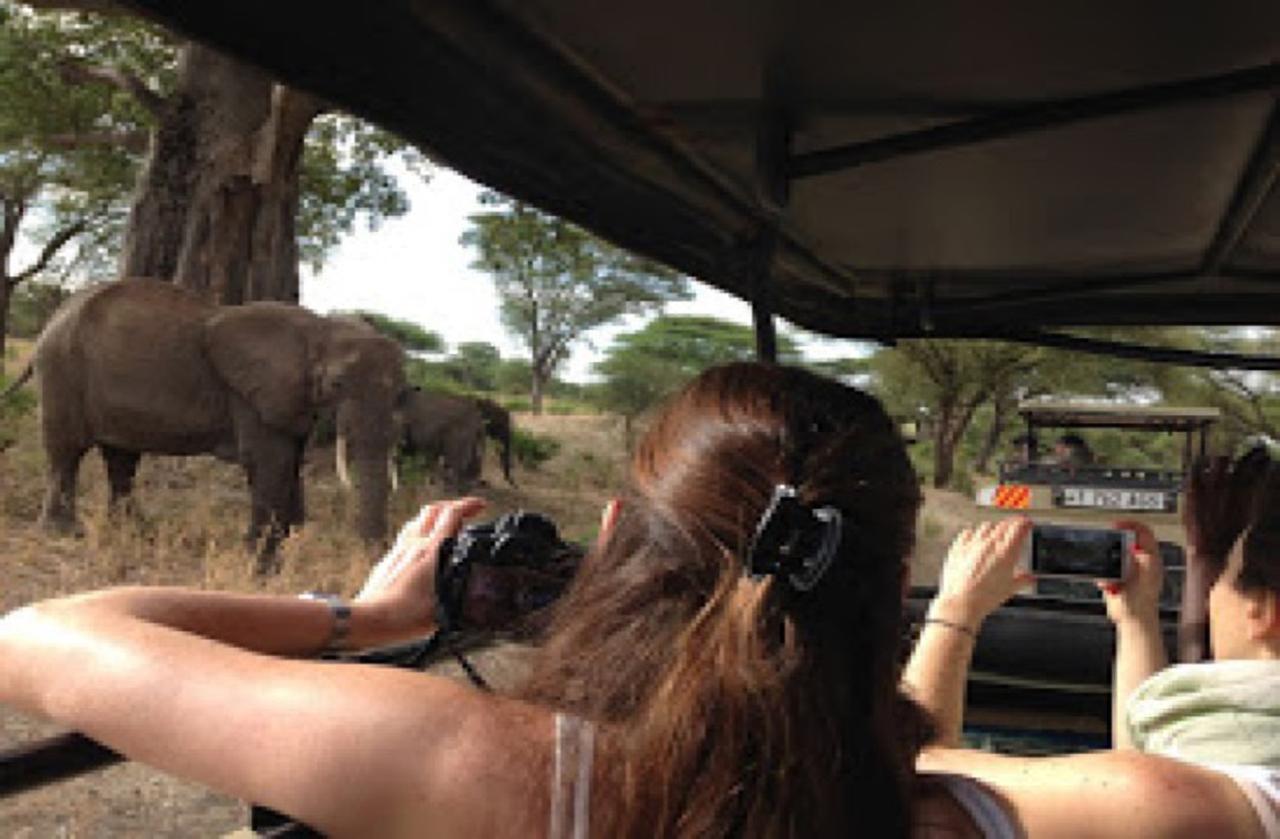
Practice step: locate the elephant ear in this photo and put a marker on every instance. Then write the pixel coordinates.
(260, 351)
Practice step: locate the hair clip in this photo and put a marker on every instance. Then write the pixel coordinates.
(794, 540)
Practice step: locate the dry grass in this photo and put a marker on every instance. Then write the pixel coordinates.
(193, 512)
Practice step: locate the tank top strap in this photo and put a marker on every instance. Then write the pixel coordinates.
(571, 778)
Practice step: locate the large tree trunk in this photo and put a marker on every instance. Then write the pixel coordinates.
(216, 205)
(1001, 408)
(944, 454)
(953, 421)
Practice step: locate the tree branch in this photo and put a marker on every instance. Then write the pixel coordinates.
(51, 248)
(74, 71)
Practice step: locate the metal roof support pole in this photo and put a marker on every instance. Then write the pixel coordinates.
(773, 191)
(762, 250)
(1038, 116)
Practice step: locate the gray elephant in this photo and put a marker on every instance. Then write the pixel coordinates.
(452, 429)
(497, 424)
(143, 366)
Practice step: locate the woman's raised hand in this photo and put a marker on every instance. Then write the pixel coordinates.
(401, 587)
(1137, 596)
(981, 571)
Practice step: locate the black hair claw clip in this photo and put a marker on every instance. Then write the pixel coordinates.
(795, 540)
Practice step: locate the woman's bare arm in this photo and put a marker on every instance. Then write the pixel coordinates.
(180, 680)
(935, 674)
(1133, 606)
(1106, 794)
(980, 573)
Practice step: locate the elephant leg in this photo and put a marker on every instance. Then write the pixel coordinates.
(59, 512)
(275, 488)
(296, 513)
(122, 466)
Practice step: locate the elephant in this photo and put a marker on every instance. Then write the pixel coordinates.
(142, 366)
(453, 429)
(497, 424)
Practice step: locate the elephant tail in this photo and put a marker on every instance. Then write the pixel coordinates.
(22, 379)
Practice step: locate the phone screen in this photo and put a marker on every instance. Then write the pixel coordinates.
(1077, 552)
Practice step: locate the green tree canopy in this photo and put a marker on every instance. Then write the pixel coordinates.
(408, 334)
(556, 282)
(68, 152)
(475, 365)
(642, 367)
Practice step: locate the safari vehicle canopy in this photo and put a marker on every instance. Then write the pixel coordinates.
(942, 169)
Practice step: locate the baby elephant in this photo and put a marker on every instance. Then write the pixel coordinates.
(452, 429)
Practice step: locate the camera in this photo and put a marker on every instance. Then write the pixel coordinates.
(1078, 552)
(495, 576)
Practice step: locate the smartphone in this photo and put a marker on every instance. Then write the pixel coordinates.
(1078, 552)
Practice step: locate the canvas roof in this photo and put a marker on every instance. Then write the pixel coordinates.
(933, 168)
(1105, 415)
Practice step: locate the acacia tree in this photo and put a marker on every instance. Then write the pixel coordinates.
(237, 187)
(950, 380)
(556, 282)
(642, 367)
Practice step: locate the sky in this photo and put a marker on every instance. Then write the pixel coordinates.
(413, 268)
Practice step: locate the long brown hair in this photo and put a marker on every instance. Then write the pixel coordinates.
(1232, 500)
(732, 706)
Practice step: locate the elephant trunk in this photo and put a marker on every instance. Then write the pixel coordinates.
(344, 470)
(372, 487)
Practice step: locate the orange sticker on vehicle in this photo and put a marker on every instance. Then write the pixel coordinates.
(1012, 497)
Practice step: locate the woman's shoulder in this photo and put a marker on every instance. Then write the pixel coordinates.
(1111, 793)
(495, 773)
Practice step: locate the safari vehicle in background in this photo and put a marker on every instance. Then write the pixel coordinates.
(1049, 652)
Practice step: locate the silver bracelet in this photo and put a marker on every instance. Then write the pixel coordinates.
(340, 610)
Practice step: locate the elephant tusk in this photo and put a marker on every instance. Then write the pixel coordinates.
(340, 461)
(393, 473)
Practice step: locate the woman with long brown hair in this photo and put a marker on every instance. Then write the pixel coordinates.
(725, 664)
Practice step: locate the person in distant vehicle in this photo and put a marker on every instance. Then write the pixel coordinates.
(1072, 452)
(1026, 449)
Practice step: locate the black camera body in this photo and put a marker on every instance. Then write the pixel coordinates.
(493, 576)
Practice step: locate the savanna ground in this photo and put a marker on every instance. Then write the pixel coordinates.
(193, 512)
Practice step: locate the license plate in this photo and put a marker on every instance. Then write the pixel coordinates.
(1113, 499)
